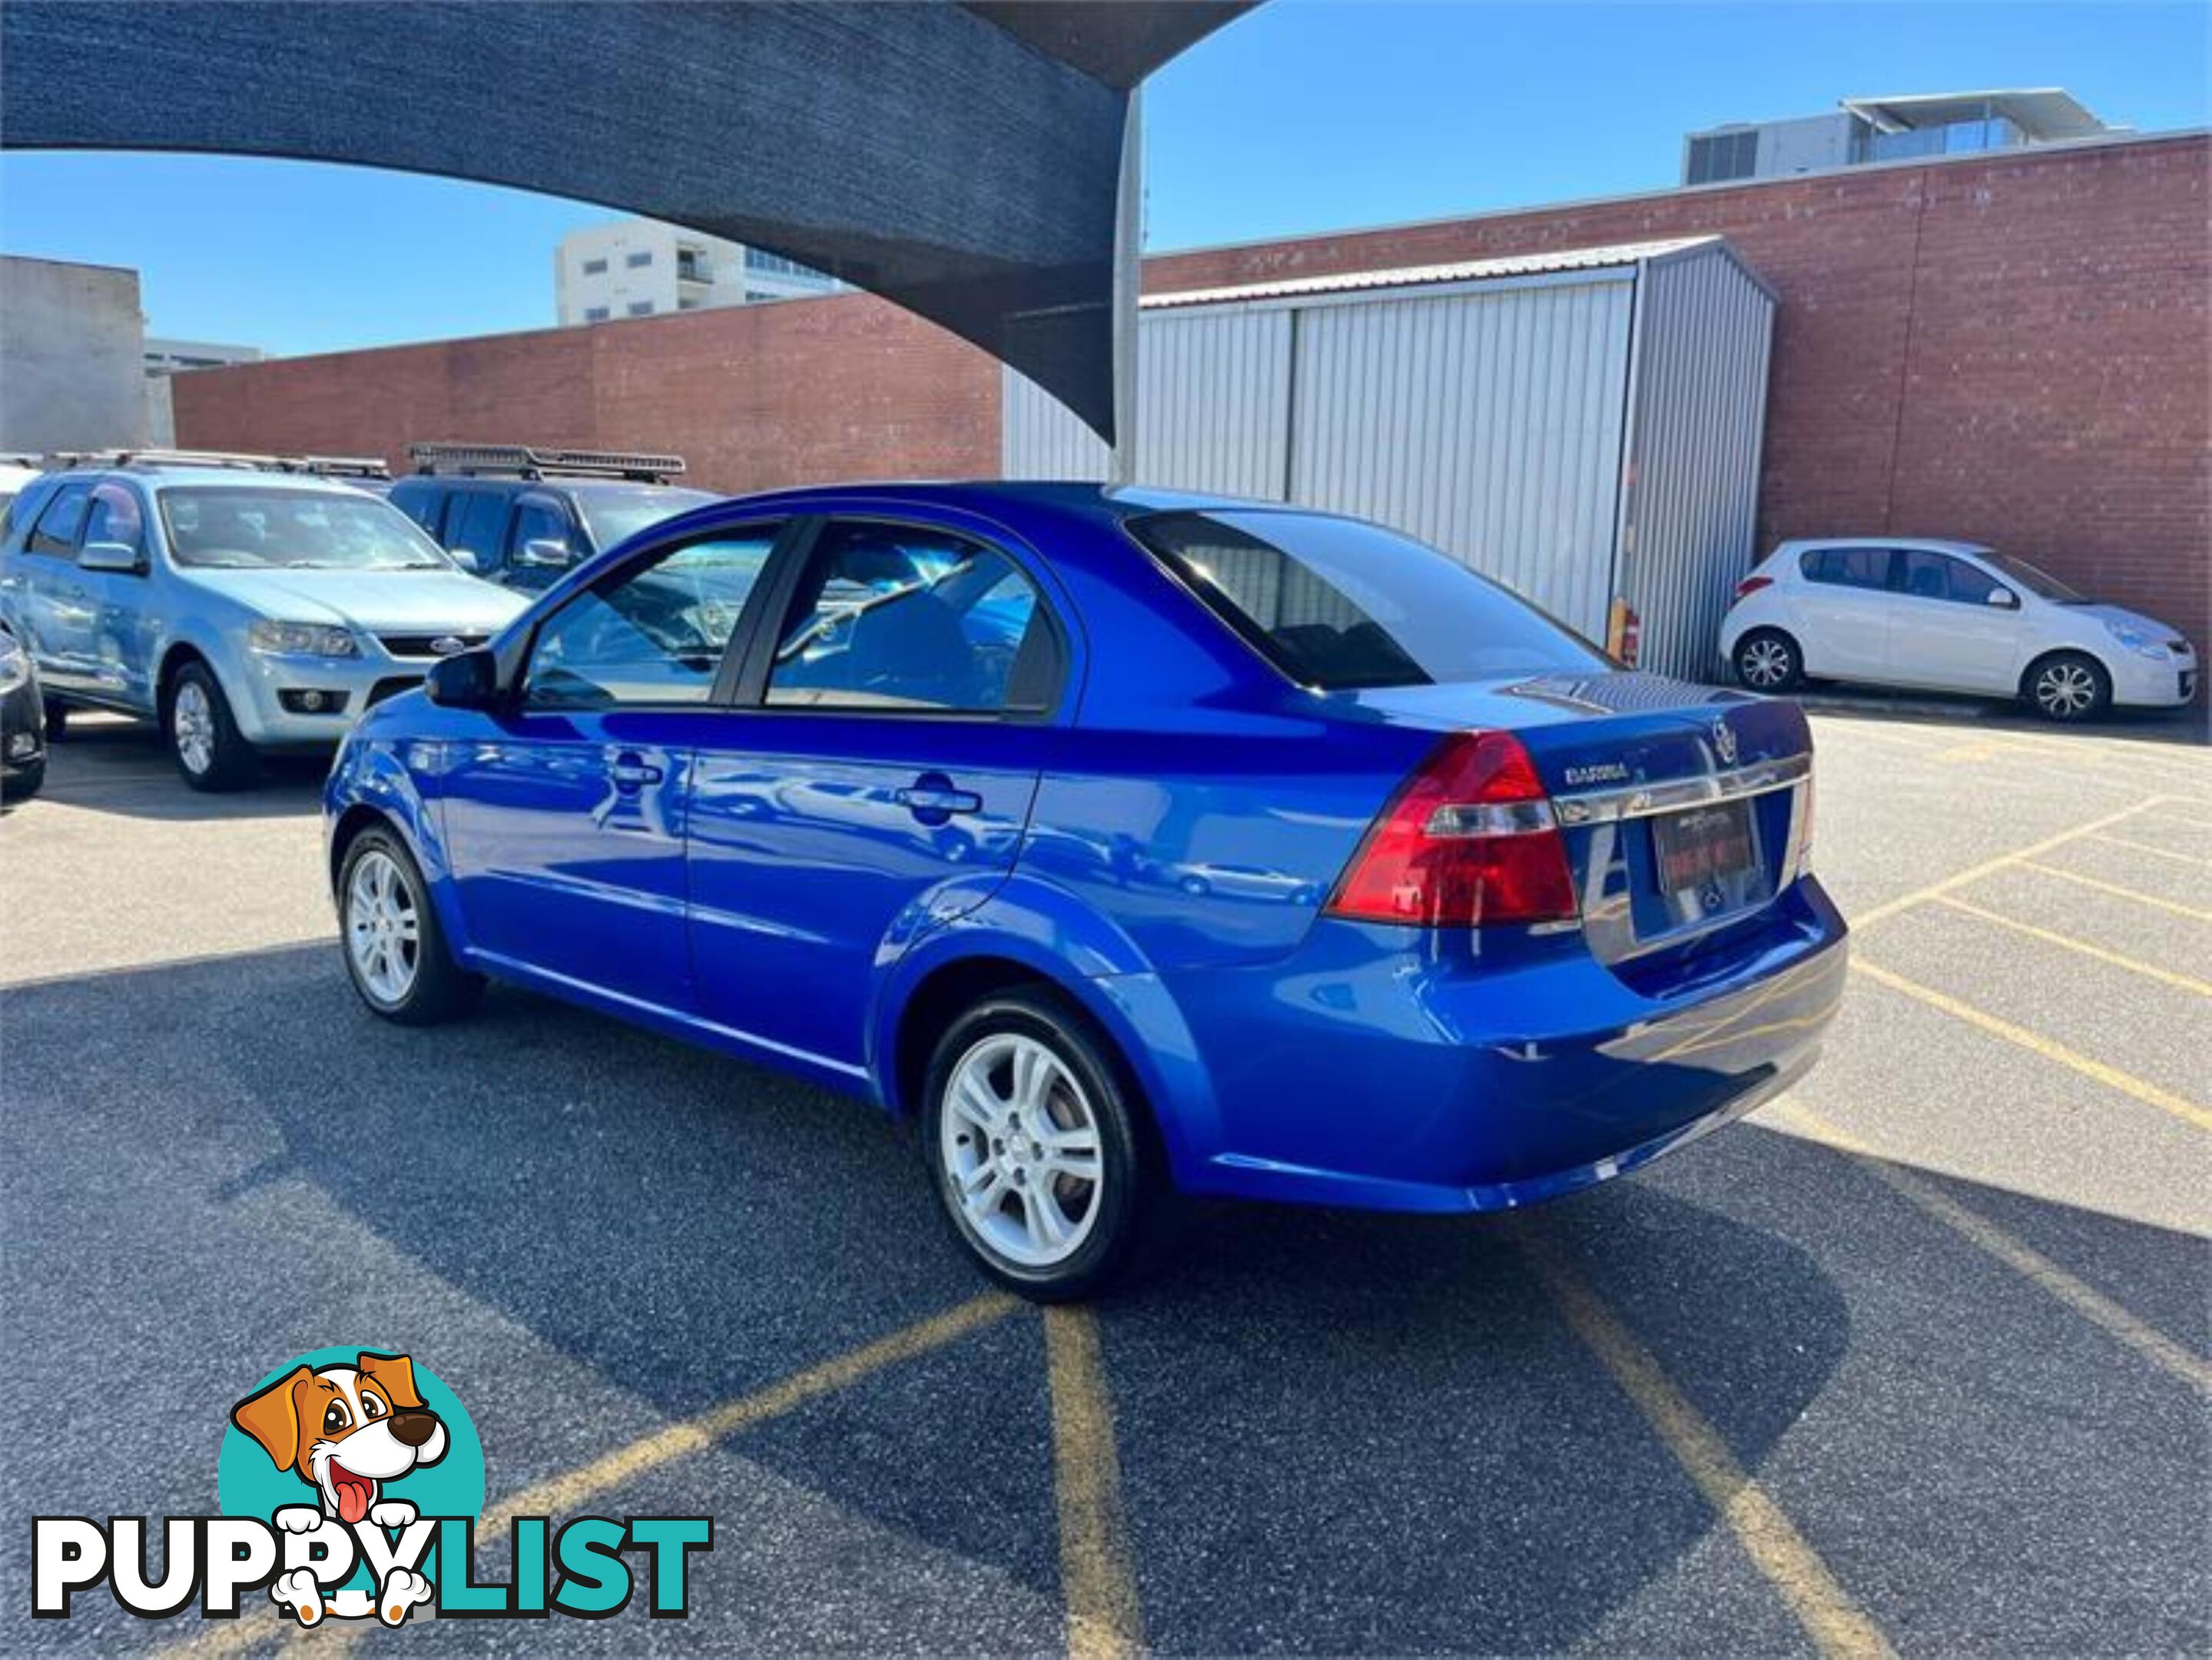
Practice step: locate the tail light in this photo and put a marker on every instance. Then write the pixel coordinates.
(1752, 585)
(1469, 841)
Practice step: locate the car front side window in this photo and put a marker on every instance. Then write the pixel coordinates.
(894, 618)
(655, 632)
(115, 516)
(1939, 576)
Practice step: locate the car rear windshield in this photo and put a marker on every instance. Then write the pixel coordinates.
(1342, 604)
(240, 528)
(615, 514)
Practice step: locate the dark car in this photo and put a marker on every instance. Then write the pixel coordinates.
(22, 723)
(1128, 842)
(521, 516)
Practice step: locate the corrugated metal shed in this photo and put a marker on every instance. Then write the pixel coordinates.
(1582, 425)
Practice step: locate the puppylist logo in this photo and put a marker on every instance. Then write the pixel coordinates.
(351, 1483)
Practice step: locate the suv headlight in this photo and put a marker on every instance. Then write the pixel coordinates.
(15, 667)
(2143, 645)
(302, 640)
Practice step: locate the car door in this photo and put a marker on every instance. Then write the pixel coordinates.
(1842, 607)
(564, 820)
(124, 629)
(56, 604)
(876, 778)
(1954, 627)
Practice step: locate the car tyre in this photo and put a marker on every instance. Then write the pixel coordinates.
(1768, 660)
(2068, 686)
(27, 781)
(1011, 1073)
(210, 750)
(395, 951)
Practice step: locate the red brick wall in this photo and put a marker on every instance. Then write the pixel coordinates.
(752, 397)
(2012, 349)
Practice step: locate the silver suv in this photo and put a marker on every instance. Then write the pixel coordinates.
(245, 609)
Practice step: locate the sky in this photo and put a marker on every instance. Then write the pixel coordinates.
(1304, 115)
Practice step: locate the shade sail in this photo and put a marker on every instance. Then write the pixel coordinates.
(960, 159)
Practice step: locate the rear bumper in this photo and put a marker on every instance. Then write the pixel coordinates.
(1365, 1076)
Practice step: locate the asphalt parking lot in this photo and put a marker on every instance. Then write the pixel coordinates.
(1914, 1359)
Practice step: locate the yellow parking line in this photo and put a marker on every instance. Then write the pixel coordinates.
(2114, 888)
(697, 1434)
(1099, 1579)
(2036, 1043)
(2091, 1304)
(2182, 981)
(1991, 866)
(2155, 853)
(1830, 1618)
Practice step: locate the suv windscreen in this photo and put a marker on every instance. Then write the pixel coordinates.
(241, 527)
(1343, 606)
(618, 512)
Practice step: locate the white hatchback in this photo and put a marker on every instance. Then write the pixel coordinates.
(1946, 617)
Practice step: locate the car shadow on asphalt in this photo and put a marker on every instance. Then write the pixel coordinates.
(1337, 1433)
(111, 765)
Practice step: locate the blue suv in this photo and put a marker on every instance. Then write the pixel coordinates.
(246, 610)
(523, 517)
(1130, 844)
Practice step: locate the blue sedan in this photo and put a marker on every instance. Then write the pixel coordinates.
(1130, 844)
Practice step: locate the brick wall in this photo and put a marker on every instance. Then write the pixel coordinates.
(2012, 348)
(803, 392)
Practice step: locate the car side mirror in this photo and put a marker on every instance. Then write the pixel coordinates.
(119, 556)
(468, 680)
(2004, 599)
(467, 559)
(546, 553)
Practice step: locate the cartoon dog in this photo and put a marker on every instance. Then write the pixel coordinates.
(346, 1431)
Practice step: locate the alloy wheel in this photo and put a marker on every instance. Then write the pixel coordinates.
(2065, 689)
(1765, 663)
(191, 724)
(383, 929)
(1020, 1143)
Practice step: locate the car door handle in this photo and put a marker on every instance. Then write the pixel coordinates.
(932, 794)
(632, 772)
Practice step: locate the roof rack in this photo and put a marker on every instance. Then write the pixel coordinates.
(337, 466)
(65, 458)
(524, 461)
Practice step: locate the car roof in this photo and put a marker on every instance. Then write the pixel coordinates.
(1087, 500)
(1920, 544)
(170, 477)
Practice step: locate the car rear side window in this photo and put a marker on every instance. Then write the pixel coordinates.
(54, 534)
(653, 633)
(1847, 568)
(902, 619)
(1342, 604)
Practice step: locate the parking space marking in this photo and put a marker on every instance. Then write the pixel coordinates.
(1099, 1579)
(1831, 1619)
(2091, 1304)
(2194, 912)
(2180, 981)
(564, 1491)
(2155, 853)
(2111, 1077)
(2002, 862)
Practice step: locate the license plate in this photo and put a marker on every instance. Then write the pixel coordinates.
(1702, 846)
